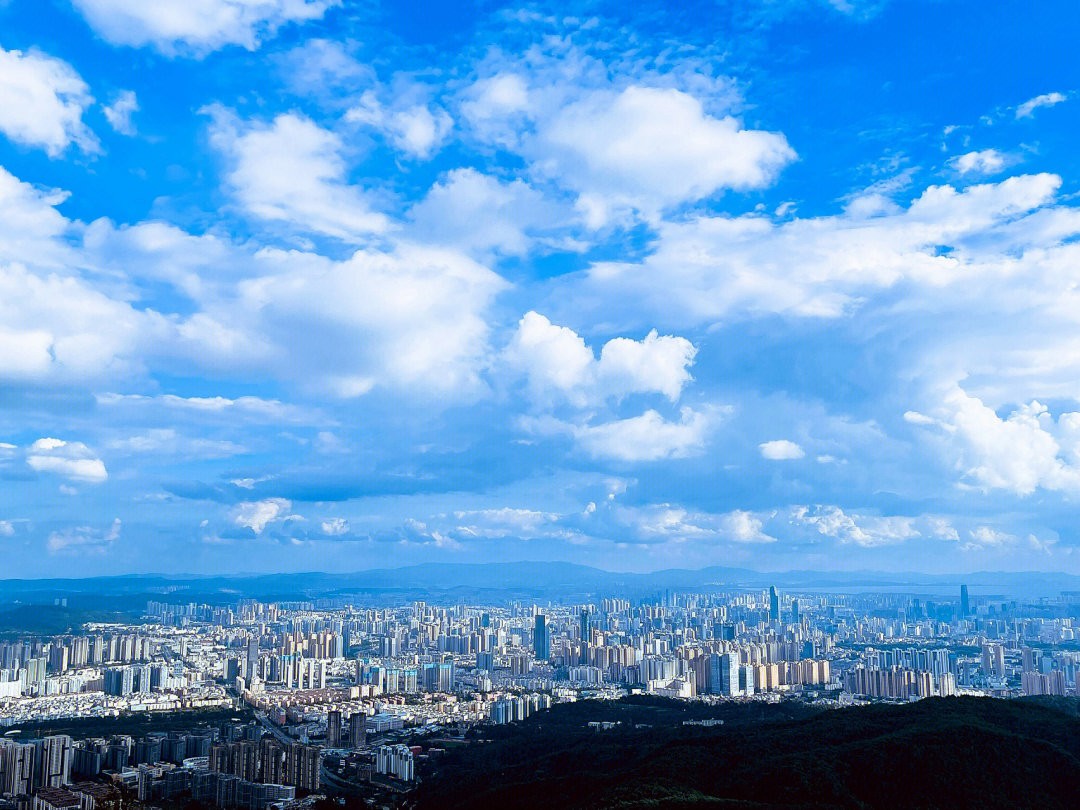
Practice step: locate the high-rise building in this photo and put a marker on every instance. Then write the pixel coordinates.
(302, 765)
(119, 681)
(53, 761)
(252, 660)
(724, 675)
(774, 604)
(358, 730)
(965, 604)
(333, 728)
(541, 642)
(396, 761)
(586, 626)
(271, 762)
(16, 767)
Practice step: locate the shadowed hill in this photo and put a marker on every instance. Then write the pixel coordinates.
(939, 753)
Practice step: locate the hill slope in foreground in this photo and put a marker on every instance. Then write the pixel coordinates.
(937, 753)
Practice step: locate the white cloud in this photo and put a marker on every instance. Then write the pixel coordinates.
(666, 522)
(170, 406)
(494, 98)
(626, 140)
(335, 527)
(1045, 100)
(195, 27)
(6, 528)
(42, 100)
(257, 515)
(292, 171)
(653, 363)
(649, 148)
(119, 113)
(863, 530)
(504, 522)
(709, 268)
(744, 527)
(84, 539)
(556, 359)
(73, 460)
(1024, 451)
(648, 437)
(781, 450)
(413, 317)
(166, 441)
(984, 536)
(551, 356)
(988, 161)
(480, 213)
(323, 68)
(416, 129)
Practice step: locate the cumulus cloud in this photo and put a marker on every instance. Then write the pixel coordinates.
(481, 213)
(650, 148)
(83, 539)
(335, 527)
(257, 515)
(1023, 451)
(667, 523)
(415, 316)
(119, 113)
(1026, 109)
(632, 143)
(649, 437)
(196, 27)
(988, 161)
(744, 527)
(863, 530)
(407, 315)
(708, 268)
(556, 359)
(42, 100)
(292, 171)
(504, 522)
(72, 460)
(781, 450)
(6, 528)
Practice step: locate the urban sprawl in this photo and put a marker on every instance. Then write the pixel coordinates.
(331, 697)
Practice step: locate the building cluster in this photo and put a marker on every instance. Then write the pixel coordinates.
(330, 678)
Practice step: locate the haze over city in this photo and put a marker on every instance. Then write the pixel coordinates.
(310, 285)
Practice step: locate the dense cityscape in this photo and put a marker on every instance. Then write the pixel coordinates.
(326, 697)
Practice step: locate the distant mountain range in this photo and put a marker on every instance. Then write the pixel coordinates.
(536, 580)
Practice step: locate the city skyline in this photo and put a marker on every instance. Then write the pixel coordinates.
(298, 285)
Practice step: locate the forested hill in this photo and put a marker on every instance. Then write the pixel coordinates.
(937, 753)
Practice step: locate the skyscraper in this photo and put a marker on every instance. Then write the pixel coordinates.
(54, 761)
(358, 730)
(16, 767)
(333, 728)
(774, 604)
(965, 604)
(586, 626)
(252, 659)
(541, 644)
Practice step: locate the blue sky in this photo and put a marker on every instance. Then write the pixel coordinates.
(305, 284)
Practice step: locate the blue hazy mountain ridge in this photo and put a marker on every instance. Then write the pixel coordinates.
(541, 578)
